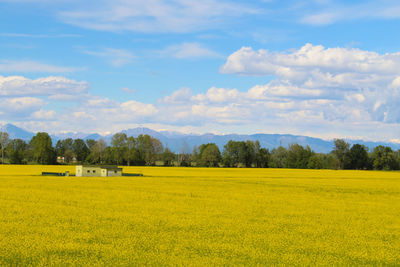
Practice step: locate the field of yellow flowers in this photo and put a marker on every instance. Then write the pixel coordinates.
(200, 217)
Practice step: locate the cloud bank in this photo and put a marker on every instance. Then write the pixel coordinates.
(317, 91)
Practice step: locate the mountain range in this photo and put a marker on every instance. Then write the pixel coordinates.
(179, 142)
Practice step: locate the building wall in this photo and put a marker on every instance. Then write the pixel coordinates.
(78, 171)
(114, 172)
(96, 171)
(88, 171)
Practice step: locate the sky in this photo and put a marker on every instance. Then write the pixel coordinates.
(321, 68)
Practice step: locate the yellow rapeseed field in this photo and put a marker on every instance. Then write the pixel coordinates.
(200, 217)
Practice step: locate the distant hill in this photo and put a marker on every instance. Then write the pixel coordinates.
(16, 132)
(178, 141)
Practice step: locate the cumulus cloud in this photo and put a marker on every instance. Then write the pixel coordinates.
(47, 86)
(97, 110)
(19, 107)
(363, 84)
(43, 115)
(317, 91)
(22, 98)
(246, 61)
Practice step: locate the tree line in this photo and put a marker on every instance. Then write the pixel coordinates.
(145, 150)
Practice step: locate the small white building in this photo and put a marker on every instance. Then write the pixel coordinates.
(97, 171)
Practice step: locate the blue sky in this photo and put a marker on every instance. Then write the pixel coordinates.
(320, 68)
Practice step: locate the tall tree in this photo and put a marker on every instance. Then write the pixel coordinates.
(4, 139)
(279, 157)
(98, 151)
(42, 148)
(119, 146)
(341, 151)
(358, 158)
(80, 150)
(239, 153)
(90, 143)
(130, 145)
(262, 158)
(230, 154)
(383, 158)
(210, 156)
(184, 156)
(65, 148)
(194, 157)
(298, 156)
(16, 151)
(168, 157)
(147, 150)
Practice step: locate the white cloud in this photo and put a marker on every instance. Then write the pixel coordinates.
(19, 107)
(137, 109)
(363, 84)
(246, 61)
(176, 16)
(188, 50)
(43, 115)
(33, 66)
(104, 111)
(83, 116)
(48, 86)
(219, 95)
(116, 57)
(181, 95)
(317, 91)
(331, 12)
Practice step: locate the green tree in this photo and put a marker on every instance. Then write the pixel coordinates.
(168, 157)
(108, 156)
(4, 139)
(383, 158)
(279, 157)
(195, 156)
(16, 151)
(298, 156)
(119, 147)
(65, 148)
(80, 150)
(341, 151)
(316, 161)
(130, 149)
(147, 150)
(239, 153)
(90, 143)
(42, 149)
(210, 156)
(97, 154)
(358, 158)
(230, 154)
(262, 158)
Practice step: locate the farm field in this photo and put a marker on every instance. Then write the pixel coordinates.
(199, 217)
